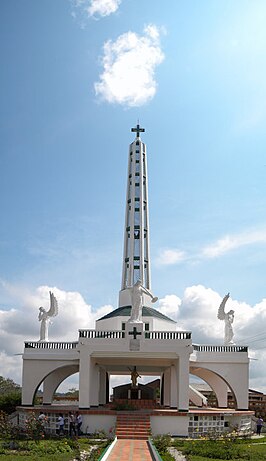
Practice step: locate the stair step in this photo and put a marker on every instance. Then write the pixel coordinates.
(133, 436)
(133, 426)
(126, 431)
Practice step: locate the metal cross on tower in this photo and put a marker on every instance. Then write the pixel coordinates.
(138, 130)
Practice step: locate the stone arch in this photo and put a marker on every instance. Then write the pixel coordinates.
(54, 379)
(217, 383)
(35, 372)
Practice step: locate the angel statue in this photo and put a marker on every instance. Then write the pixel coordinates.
(228, 320)
(137, 301)
(44, 317)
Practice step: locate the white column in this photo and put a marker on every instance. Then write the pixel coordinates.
(167, 387)
(102, 386)
(173, 388)
(29, 382)
(183, 382)
(84, 378)
(94, 383)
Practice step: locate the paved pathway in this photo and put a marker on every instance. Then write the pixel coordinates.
(130, 450)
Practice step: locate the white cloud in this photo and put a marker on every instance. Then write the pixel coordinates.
(170, 256)
(129, 65)
(95, 7)
(103, 7)
(169, 305)
(231, 242)
(222, 246)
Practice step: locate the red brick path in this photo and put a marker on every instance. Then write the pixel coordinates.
(130, 450)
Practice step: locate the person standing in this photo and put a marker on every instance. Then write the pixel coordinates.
(72, 426)
(61, 423)
(259, 425)
(42, 420)
(79, 422)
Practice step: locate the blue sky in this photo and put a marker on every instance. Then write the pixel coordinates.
(75, 78)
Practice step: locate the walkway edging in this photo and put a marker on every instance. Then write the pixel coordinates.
(108, 450)
(154, 451)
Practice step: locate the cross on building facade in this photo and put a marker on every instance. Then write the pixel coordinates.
(135, 333)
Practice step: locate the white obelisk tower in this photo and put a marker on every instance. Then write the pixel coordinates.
(136, 259)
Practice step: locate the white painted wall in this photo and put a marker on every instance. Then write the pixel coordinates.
(174, 425)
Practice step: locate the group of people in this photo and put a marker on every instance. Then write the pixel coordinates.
(74, 423)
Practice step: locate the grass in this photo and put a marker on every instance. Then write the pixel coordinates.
(51, 449)
(36, 457)
(226, 449)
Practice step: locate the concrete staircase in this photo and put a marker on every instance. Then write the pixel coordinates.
(133, 426)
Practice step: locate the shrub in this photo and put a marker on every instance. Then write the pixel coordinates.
(34, 428)
(9, 401)
(7, 430)
(162, 442)
(215, 449)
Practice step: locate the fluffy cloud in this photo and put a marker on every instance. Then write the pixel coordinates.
(170, 256)
(95, 7)
(169, 305)
(222, 246)
(129, 65)
(231, 242)
(103, 7)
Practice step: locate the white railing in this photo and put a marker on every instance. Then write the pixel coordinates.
(50, 345)
(172, 335)
(209, 348)
(117, 334)
(111, 334)
(96, 334)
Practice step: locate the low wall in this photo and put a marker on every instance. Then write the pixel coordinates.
(173, 425)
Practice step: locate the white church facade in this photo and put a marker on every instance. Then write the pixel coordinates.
(136, 336)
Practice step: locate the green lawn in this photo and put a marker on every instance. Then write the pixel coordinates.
(36, 457)
(216, 450)
(50, 450)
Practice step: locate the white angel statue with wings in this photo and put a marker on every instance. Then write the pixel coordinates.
(44, 317)
(228, 320)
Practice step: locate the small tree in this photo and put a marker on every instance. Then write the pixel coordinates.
(73, 392)
(10, 395)
(8, 385)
